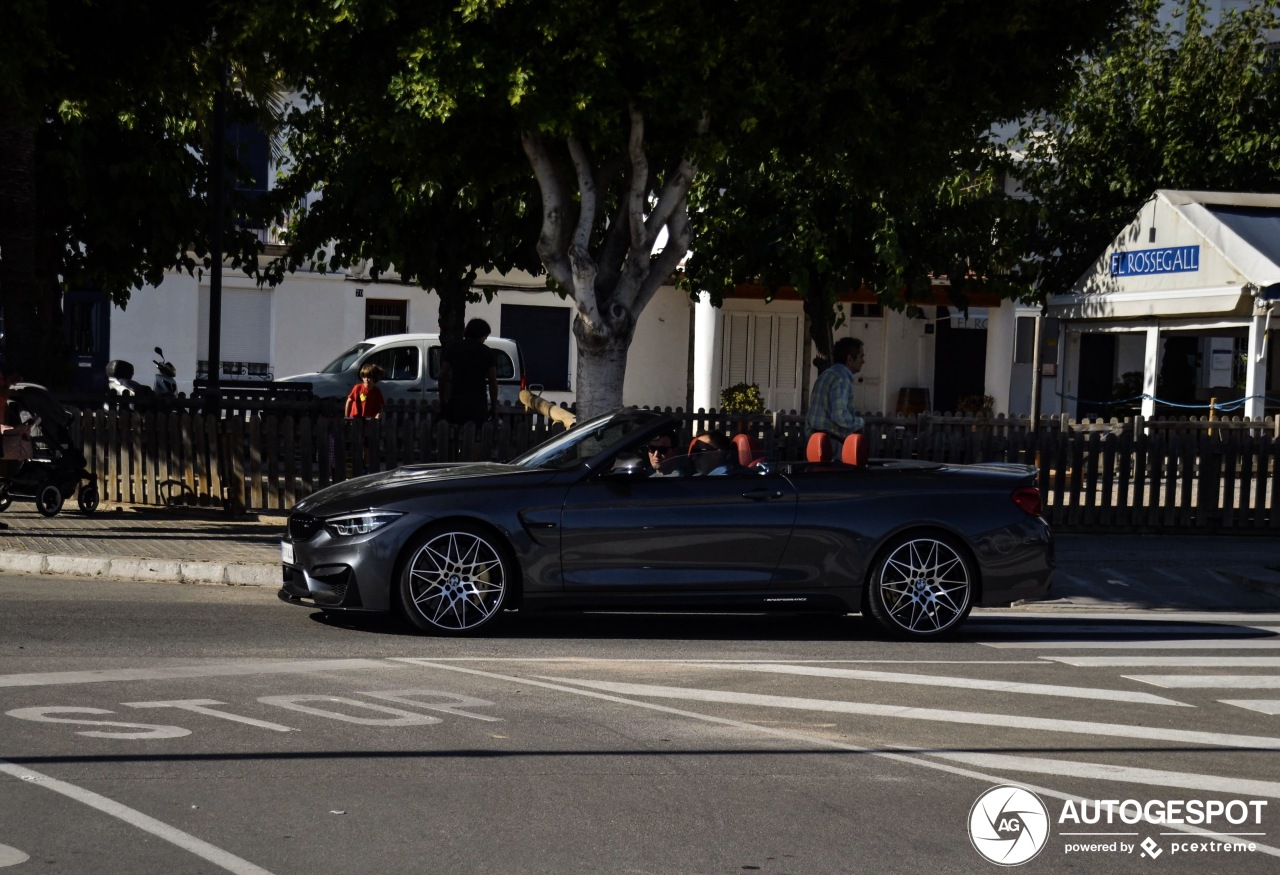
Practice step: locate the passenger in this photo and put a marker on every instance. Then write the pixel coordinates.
(712, 453)
(831, 399)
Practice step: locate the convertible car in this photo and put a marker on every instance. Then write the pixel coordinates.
(584, 521)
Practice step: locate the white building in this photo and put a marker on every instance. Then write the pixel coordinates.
(1184, 296)
(682, 353)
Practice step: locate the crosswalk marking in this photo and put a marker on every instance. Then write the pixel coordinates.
(1266, 706)
(894, 677)
(975, 718)
(1143, 644)
(1168, 661)
(1024, 629)
(1209, 681)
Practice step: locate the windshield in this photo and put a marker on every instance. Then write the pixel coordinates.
(347, 359)
(583, 442)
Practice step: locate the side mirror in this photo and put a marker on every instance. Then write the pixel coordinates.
(629, 466)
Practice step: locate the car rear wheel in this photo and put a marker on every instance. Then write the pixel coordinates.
(456, 580)
(922, 587)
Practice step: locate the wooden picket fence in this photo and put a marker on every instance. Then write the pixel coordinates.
(1167, 476)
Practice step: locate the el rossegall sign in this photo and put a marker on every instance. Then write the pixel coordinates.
(1143, 262)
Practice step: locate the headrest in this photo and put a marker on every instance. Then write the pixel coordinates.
(854, 450)
(749, 450)
(821, 447)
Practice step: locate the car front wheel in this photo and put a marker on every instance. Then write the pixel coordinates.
(922, 587)
(456, 580)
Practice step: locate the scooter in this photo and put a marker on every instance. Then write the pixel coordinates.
(120, 379)
(165, 382)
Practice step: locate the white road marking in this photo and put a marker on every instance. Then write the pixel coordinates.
(963, 683)
(201, 706)
(213, 854)
(211, 670)
(11, 856)
(1209, 681)
(1143, 644)
(1077, 727)
(791, 735)
(699, 661)
(1169, 661)
(1108, 772)
(1265, 706)
(1081, 631)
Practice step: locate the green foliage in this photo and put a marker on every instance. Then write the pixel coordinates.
(742, 398)
(1168, 103)
(1128, 387)
(976, 405)
(872, 194)
(104, 119)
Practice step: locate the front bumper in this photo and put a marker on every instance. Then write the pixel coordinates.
(355, 573)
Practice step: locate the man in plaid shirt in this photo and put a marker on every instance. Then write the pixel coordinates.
(831, 399)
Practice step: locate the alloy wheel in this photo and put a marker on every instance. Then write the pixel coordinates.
(455, 582)
(923, 587)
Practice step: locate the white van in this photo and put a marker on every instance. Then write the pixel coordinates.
(412, 365)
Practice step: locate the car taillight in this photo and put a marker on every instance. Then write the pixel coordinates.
(524, 381)
(1028, 498)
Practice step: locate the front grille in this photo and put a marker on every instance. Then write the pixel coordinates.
(303, 527)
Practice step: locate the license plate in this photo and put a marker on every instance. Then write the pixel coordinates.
(286, 552)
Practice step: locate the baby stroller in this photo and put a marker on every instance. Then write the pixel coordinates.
(55, 468)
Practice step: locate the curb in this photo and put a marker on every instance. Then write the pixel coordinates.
(156, 570)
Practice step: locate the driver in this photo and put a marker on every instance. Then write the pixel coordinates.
(659, 449)
(661, 453)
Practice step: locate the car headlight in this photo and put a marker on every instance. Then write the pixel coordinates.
(359, 523)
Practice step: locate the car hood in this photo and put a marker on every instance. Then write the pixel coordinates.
(387, 487)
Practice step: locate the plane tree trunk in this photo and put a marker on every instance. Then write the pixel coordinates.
(612, 284)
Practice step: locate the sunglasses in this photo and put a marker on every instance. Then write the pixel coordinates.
(655, 448)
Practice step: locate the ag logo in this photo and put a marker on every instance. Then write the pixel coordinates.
(1008, 825)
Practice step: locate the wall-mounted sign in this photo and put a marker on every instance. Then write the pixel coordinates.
(975, 317)
(1171, 259)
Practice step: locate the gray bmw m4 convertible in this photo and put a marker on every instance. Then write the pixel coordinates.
(585, 521)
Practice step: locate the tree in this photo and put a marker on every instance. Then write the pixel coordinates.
(392, 195)
(618, 108)
(1172, 102)
(103, 122)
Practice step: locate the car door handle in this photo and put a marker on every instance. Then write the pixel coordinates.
(762, 494)
(414, 389)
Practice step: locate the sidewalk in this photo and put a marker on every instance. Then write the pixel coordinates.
(178, 545)
(182, 545)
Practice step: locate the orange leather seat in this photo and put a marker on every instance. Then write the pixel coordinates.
(749, 450)
(854, 450)
(821, 447)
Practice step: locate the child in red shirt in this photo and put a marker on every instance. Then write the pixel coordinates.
(365, 400)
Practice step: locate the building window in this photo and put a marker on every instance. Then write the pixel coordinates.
(543, 336)
(382, 316)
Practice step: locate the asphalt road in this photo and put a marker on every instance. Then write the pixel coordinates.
(152, 728)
